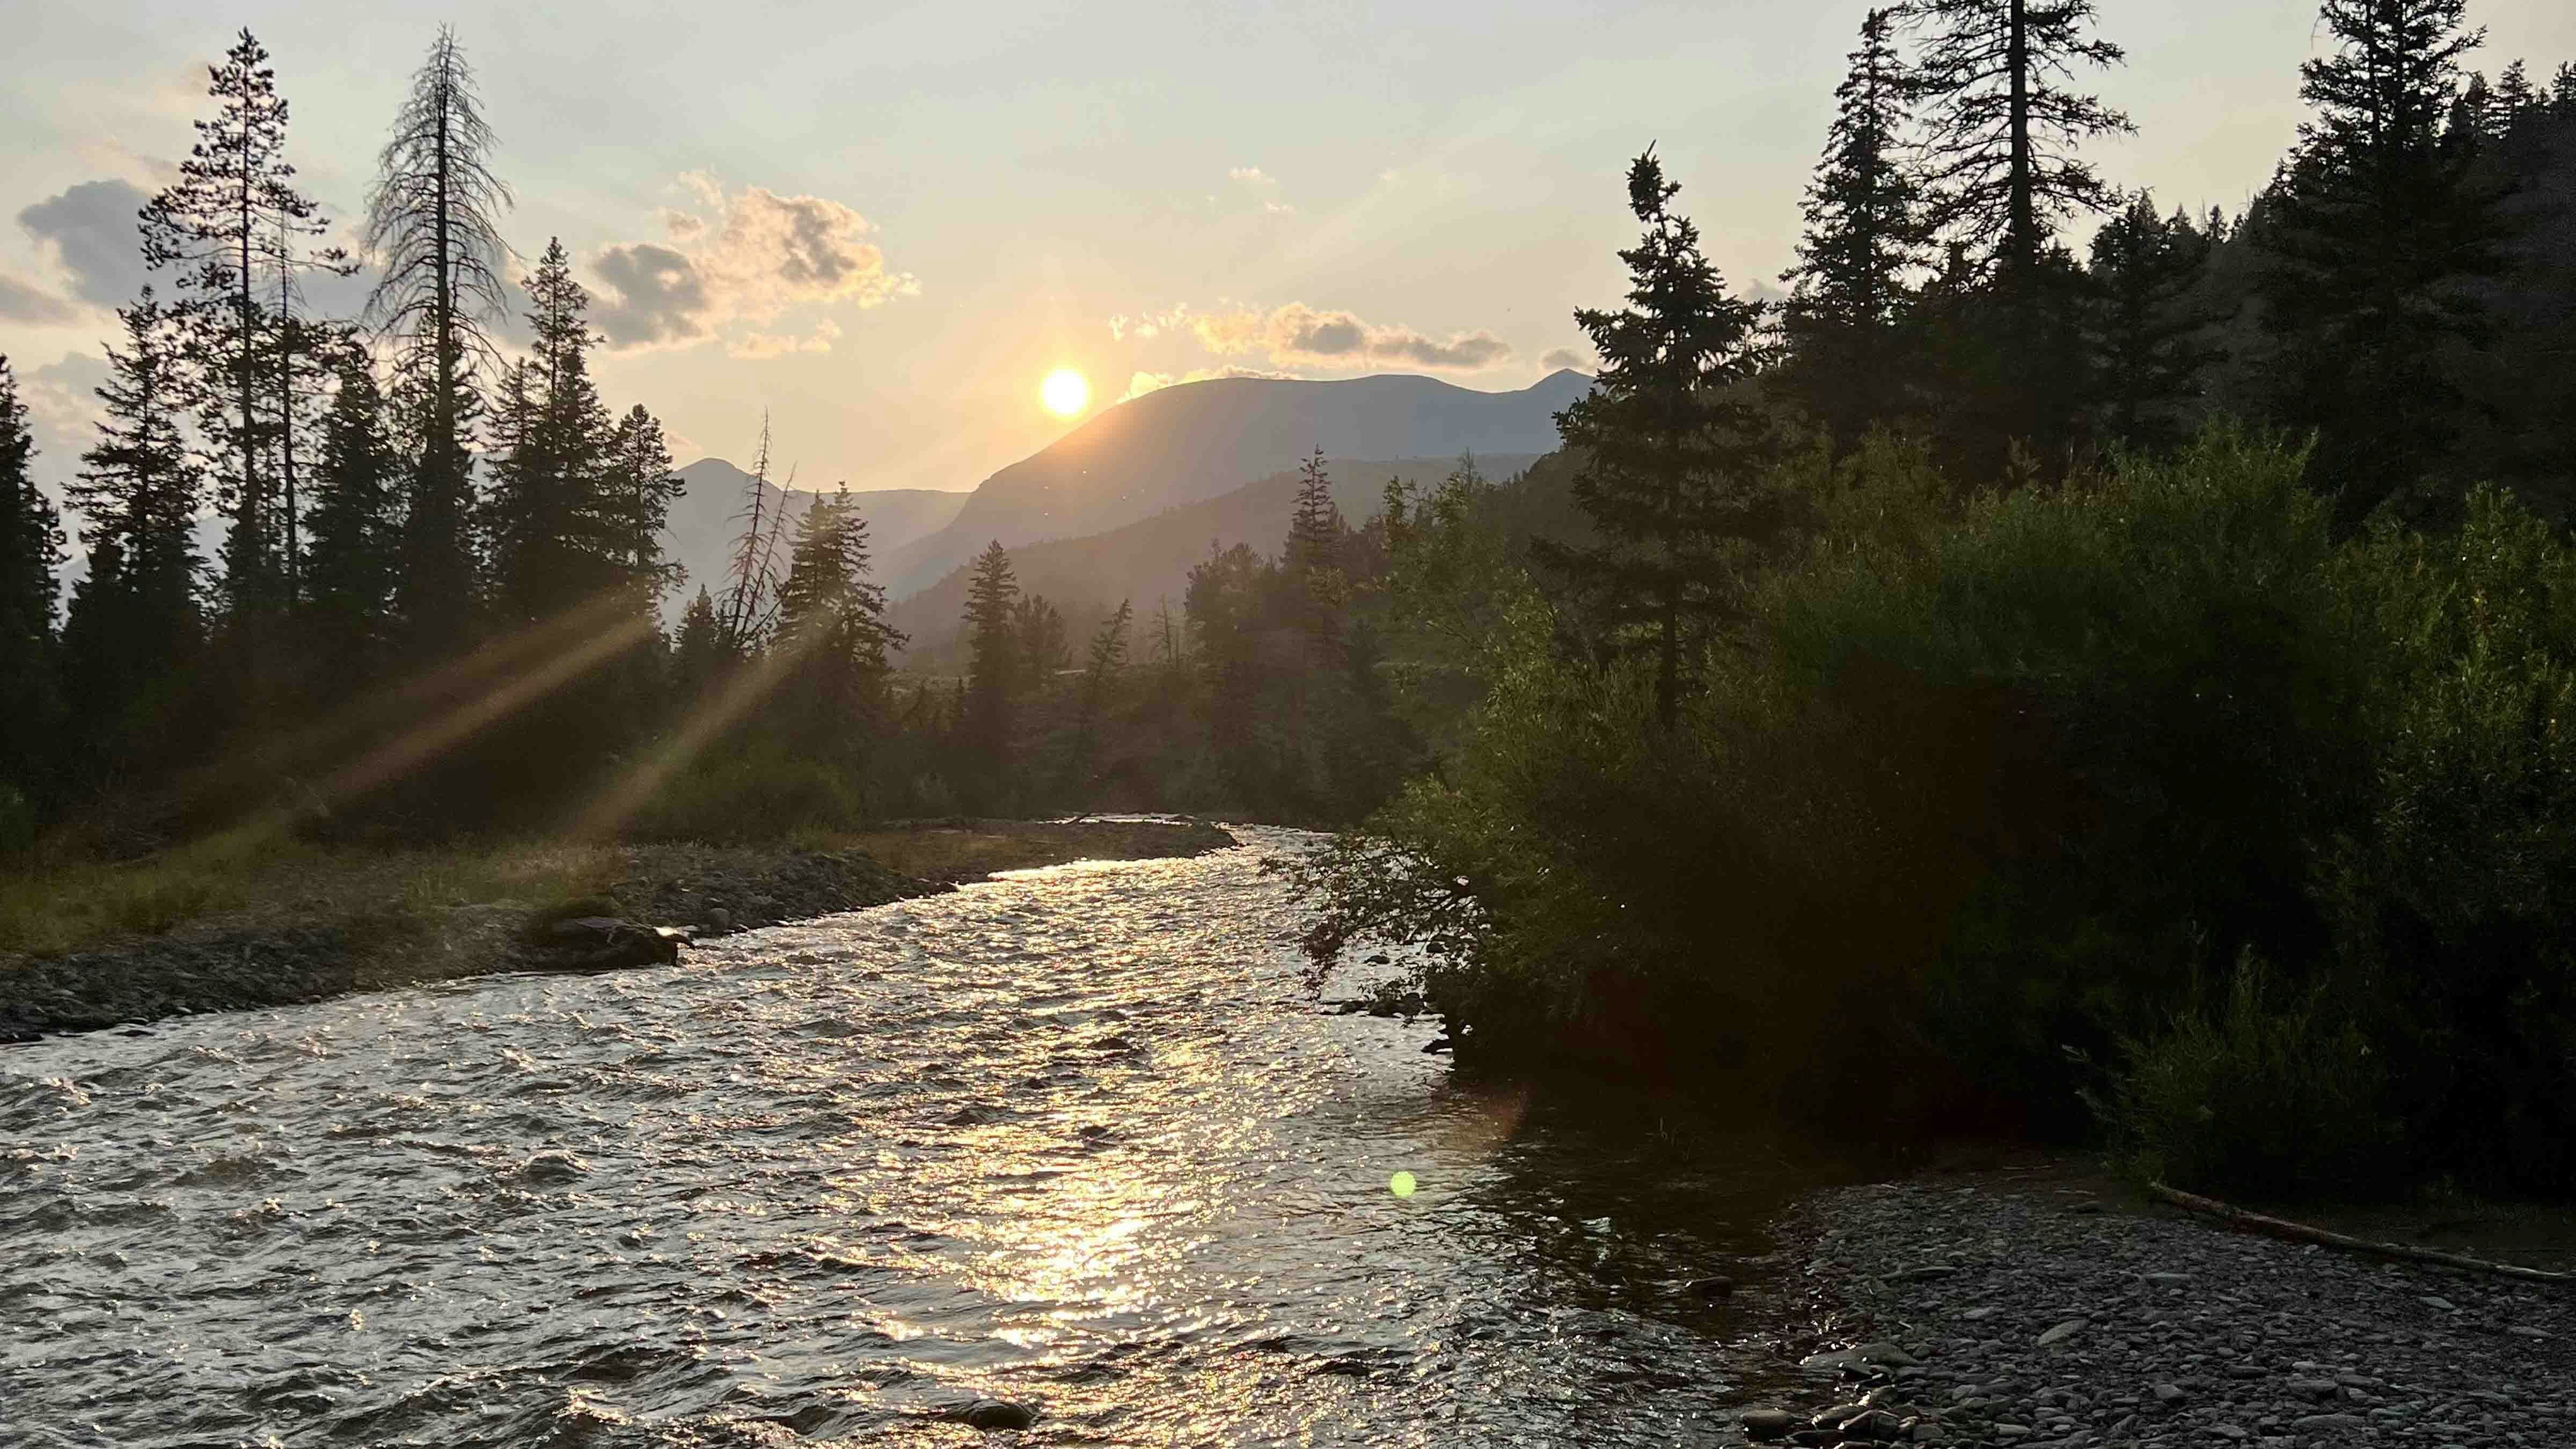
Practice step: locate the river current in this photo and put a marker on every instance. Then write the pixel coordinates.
(1075, 1138)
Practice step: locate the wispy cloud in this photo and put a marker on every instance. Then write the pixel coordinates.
(1296, 333)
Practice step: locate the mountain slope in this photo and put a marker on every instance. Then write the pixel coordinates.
(1196, 440)
(1149, 561)
(704, 520)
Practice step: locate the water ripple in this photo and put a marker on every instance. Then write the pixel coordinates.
(1074, 1137)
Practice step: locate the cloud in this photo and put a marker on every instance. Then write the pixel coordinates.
(1297, 333)
(655, 295)
(89, 231)
(20, 302)
(62, 414)
(757, 345)
(759, 256)
(1557, 359)
(1150, 325)
(1256, 179)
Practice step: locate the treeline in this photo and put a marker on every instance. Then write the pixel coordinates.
(1261, 694)
(2102, 694)
(435, 598)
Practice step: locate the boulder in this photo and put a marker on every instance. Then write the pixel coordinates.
(998, 1414)
(598, 943)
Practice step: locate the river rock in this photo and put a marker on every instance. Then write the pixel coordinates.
(1768, 1423)
(598, 943)
(998, 1414)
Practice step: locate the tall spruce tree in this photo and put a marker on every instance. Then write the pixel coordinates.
(433, 225)
(136, 627)
(1865, 232)
(2375, 227)
(698, 653)
(993, 672)
(1102, 665)
(236, 229)
(552, 515)
(832, 620)
(2001, 126)
(2001, 123)
(2148, 351)
(31, 550)
(352, 578)
(1674, 451)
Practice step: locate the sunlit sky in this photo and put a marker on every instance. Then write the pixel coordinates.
(888, 223)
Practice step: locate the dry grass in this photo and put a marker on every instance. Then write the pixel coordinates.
(268, 880)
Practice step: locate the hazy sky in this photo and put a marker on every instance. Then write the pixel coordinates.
(887, 222)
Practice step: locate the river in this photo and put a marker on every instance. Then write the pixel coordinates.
(1075, 1138)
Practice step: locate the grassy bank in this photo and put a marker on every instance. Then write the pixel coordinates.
(246, 921)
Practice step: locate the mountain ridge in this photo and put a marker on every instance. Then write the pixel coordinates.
(1198, 440)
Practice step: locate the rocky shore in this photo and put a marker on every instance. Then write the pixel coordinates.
(652, 899)
(1983, 1316)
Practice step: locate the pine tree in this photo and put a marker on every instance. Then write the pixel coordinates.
(2148, 356)
(1104, 663)
(1674, 453)
(551, 518)
(993, 672)
(31, 549)
(235, 226)
(1316, 528)
(432, 224)
(1865, 231)
(2001, 127)
(1043, 653)
(832, 618)
(352, 578)
(2376, 224)
(135, 625)
(699, 654)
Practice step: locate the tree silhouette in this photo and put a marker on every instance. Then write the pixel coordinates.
(31, 549)
(233, 225)
(1865, 230)
(2373, 228)
(1673, 452)
(135, 625)
(432, 224)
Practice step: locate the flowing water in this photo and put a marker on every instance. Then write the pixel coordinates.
(1075, 1138)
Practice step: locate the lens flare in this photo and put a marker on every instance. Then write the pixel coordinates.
(1401, 1184)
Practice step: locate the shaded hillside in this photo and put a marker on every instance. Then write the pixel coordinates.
(1150, 560)
(1197, 440)
(704, 520)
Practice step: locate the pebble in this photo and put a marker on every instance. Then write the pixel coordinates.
(2190, 1335)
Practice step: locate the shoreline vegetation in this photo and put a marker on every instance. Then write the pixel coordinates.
(232, 926)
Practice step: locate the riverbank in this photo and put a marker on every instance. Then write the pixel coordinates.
(2041, 1309)
(235, 924)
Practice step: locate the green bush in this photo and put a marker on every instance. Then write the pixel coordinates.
(2265, 1091)
(1988, 784)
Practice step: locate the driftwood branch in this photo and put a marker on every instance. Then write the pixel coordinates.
(2302, 1233)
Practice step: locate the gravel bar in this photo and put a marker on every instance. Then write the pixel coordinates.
(1972, 1316)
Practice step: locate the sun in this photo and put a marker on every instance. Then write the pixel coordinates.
(1065, 392)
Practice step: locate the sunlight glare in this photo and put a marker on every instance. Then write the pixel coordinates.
(1065, 392)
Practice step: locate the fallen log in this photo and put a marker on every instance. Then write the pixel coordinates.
(2302, 1233)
